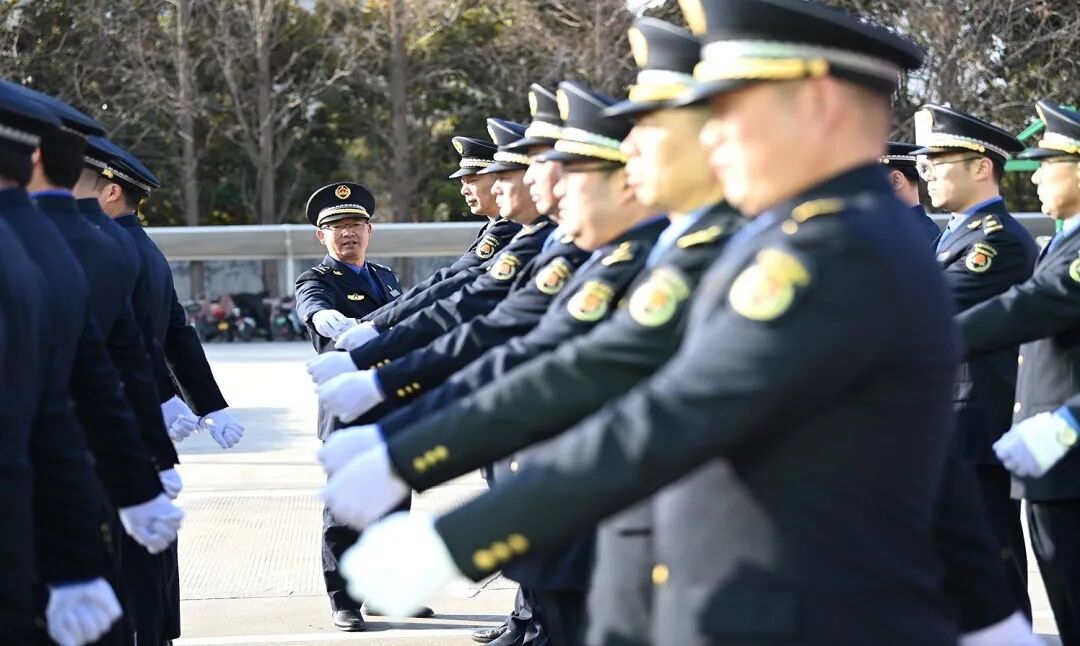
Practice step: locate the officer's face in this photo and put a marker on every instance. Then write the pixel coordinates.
(668, 166)
(952, 178)
(512, 197)
(1058, 182)
(346, 240)
(476, 189)
(749, 137)
(591, 195)
(541, 179)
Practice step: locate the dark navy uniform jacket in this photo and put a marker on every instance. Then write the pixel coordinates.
(51, 498)
(926, 222)
(191, 374)
(112, 282)
(514, 265)
(1042, 314)
(120, 457)
(765, 378)
(494, 237)
(333, 285)
(988, 253)
(141, 297)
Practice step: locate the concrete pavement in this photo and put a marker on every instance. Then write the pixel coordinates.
(249, 552)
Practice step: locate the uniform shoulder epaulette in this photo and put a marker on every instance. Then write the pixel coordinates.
(991, 224)
(382, 267)
(698, 238)
(320, 269)
(623, 253)
(814, 208)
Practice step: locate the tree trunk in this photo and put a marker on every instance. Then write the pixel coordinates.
(189, 162)
(401, 185)
(262, 11)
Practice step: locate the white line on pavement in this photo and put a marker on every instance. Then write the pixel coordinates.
(321, 637)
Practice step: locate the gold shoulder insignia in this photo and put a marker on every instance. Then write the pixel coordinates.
(980, 258)
(814, 208)
(991, 224)
(622, 253)
(591, 302)
(657, 300)
(975, 224)
(766, 289)
(356, 297)
(382, 267)
(338, 273)
(552, 278)
(320, 269)
(705, 236)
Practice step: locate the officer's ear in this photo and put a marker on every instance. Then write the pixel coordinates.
(897, 179)
(321, 236)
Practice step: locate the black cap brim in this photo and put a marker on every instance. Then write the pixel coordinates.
(464, 172)
(501, 167)
(633, 109)
(523, 145)
(1044, 153)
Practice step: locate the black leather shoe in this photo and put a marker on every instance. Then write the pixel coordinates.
(507, 639)
(422, 613)
(485, 635)
(351, 621)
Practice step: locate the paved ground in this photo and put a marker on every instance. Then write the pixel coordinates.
(249, 559)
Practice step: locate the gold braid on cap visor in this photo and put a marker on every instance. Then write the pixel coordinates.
(472, 162)
(947, 140)
(660, 85)
(512, 158)
(576, 141)
(885, 159)
(112, 173)
(353, 209)
(1058, 141)
(544, 130)
(770, 60)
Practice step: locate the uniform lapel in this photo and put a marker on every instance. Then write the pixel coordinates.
(354, 284)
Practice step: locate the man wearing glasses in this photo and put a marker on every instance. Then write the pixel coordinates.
(1043, 314)
(983, 252)
(330, 298)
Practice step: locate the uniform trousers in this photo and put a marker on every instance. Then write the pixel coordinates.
(1055, 539)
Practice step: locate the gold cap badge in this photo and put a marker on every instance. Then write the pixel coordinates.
(343, 192)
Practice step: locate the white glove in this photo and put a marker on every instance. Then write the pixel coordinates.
(348, 443)
(225, 430)
(1034, 445)
(1014, 630)
(80, 613)
(350, 395)
(356, 336)
(327, 366)
(365, 489)
(331, 323)
(183, 427)
(399, 564)
(153, 524)
(171, 482)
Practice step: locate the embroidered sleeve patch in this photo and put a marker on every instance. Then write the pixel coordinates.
(552, 278)
(505, 267)
(980, 258)
(591, 302)
(657, 300)
(1074, 270)
(766, 289)
(487, 247)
